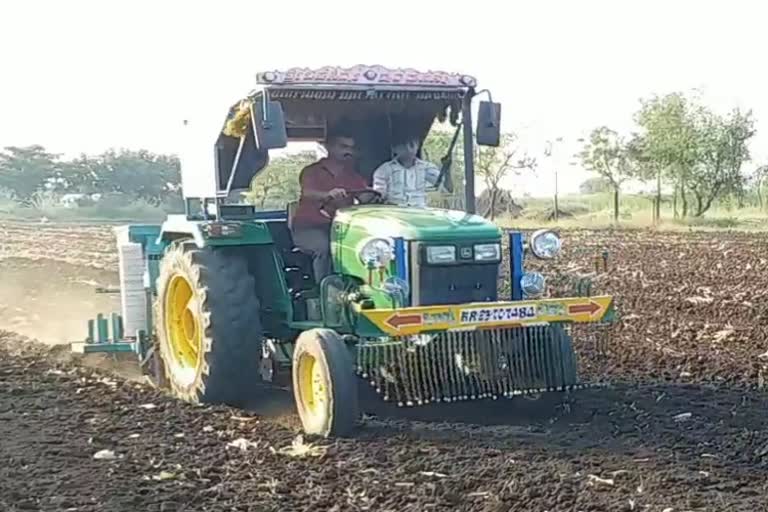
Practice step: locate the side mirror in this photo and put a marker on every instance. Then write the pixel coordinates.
(488, 132)
(269, 127)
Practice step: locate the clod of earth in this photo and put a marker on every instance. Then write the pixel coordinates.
(104, 455)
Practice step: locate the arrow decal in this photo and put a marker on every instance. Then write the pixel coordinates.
(590, 308)
(397, 320)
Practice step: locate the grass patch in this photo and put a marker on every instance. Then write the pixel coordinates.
(595, 211)
(107, 210)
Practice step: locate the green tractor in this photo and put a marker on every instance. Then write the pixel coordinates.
(220, 304)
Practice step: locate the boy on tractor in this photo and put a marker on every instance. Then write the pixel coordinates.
(406, 178)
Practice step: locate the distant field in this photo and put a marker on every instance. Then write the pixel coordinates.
(593, 211)
(107, 211)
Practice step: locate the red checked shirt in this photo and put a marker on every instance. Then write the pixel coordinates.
(324, 176)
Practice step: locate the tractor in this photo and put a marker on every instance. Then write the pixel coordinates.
(218, 303)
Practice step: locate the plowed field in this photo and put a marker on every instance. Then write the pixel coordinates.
(683, 425)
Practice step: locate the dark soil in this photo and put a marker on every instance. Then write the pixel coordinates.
(650, 447)
(682, 428)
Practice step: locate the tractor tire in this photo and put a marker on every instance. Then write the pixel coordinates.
(207, 323)
(325, 387)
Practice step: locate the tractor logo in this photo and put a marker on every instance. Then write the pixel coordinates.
(552, 309)
(441, 317)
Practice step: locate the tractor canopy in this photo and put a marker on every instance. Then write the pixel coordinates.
(378, 104)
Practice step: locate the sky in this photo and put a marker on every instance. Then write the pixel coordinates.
(82, 77)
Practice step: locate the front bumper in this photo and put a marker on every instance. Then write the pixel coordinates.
(485, 315)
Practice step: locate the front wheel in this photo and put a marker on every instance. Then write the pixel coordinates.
(324, 384)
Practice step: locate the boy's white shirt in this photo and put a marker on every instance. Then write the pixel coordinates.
(406, 186)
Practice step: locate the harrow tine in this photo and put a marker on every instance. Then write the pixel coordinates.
(471, 365)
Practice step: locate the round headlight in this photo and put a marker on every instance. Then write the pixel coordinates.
(378, 251)
(545, 244)
(533, 284)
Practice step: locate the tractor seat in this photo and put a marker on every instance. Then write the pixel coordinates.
(297, 265)
(290, 209)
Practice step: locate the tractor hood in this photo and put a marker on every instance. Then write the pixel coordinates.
(424, 224)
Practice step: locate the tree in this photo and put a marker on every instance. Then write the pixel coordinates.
(82, 175)
(667, 145)
(140, 174)
(697, 150)
(496, 163)
(24, 171)
(608, 154)
(721, 151)
(596, 185)
(760, 179)
(278, 184)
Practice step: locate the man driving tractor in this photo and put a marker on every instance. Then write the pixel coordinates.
(324, 187)
(404, 179)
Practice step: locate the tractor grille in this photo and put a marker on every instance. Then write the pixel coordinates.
(458, 284)
(453, 366)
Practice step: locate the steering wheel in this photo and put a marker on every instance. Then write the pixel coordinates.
(356, 195)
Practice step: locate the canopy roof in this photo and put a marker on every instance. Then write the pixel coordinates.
(313, 99)
(380, 104)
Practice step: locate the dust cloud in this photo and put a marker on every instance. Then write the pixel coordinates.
(52, 301)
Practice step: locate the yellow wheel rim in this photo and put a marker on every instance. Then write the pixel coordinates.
(312, 384)
(183, 328)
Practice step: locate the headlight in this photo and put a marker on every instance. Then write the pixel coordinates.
(488, 252)
(533, 284)
(545, 244)
(441, 254)
(378, 251)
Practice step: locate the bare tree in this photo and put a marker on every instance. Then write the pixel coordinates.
(760, 178)
(607, 154)
(496, 163)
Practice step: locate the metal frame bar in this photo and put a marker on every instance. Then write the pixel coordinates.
(234, 165)
(415, 272)
(469, 156)
(516, 264)
(401, 264)
(341, 87)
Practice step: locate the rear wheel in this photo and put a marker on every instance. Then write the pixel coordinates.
(324, 384)
(208, 324)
